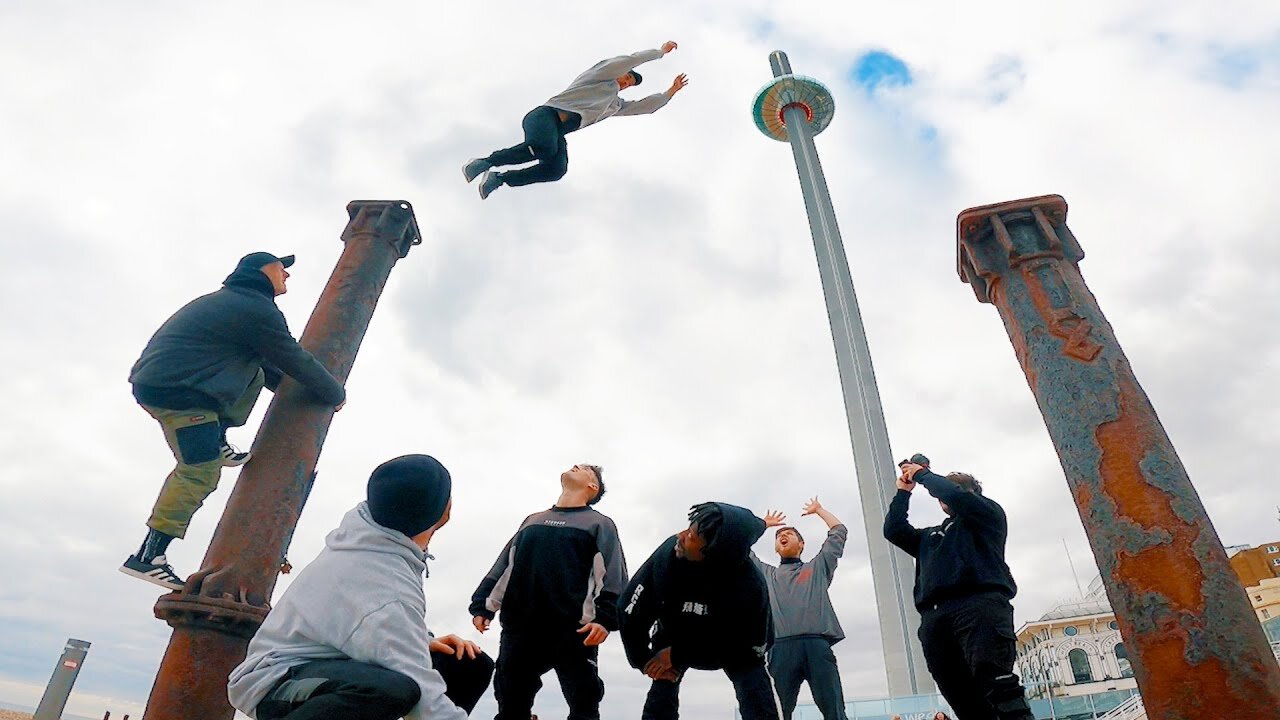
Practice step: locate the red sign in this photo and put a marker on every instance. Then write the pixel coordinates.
(70, 664)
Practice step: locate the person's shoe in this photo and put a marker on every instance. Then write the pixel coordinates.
(232, 457)
(474, 167)
(158, 572)
(489, 182)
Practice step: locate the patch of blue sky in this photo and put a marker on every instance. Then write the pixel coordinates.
(1236, 66)
(879, 69)
(762, 28)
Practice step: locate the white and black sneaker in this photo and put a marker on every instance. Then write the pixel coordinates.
(490, 181)
(158, 572)
(474, 167)
(231, 457)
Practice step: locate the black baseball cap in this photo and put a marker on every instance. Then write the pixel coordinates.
(255, 261)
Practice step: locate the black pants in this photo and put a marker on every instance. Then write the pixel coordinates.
(807, 658)
(970, 646)
(544, 141)
(523, 658)
(751, 685)
(350, 690)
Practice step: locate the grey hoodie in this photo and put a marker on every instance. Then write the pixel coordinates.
(798, 591)
(362, 599)
(594, 93)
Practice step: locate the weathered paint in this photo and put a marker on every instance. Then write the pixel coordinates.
(1196, 648)
(224, 603)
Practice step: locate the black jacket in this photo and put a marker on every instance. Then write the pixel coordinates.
(961, 557)
(712, 614)
(561, 570)
(212, 348)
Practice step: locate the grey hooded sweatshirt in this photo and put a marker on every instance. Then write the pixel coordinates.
(594, 93)
(798, 591)
(360, 599)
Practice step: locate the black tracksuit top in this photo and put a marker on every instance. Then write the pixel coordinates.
(562, 569)
(961, 557)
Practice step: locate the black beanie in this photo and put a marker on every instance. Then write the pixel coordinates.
(409, 493)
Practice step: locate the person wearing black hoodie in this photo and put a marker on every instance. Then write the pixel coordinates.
(201, 373)
(962, 590)
(699, 602)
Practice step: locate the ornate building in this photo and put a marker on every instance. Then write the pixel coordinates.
(1074, 649)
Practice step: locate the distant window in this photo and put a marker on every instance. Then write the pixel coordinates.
(1266, 614)
(1070, 631)
(1114, 625)
(1273, 549)
(1122, 660)
(1257, 598)
(1276, 562)
(1080, 666)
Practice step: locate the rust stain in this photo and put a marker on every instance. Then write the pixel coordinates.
(1124, 442)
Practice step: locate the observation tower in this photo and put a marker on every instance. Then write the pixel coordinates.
(794, 108)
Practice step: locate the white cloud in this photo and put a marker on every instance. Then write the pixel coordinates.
(657, 311)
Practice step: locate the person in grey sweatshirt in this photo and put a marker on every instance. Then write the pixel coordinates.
(804, 623)
(349, 638)
(590, 98)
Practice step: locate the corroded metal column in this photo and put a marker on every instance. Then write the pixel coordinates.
(222, 605)
(1197, 650)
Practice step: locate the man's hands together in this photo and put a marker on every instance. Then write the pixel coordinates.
(659, 667)
(905, 480)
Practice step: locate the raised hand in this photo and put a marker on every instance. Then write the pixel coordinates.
(668, 46)
(678, 84)
(812, 506)
(774, 518)
(904, 483)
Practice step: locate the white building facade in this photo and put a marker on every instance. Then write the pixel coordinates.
(1074, 649)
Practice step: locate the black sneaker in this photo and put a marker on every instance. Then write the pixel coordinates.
(474, 167)
(490, 182)
(231, 457)
(158, 571)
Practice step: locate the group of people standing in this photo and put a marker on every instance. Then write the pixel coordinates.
(349, 638)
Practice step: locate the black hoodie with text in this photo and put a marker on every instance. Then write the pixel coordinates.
(713, 614)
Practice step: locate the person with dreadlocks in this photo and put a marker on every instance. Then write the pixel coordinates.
(699, 602)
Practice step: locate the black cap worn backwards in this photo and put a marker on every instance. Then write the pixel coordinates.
(409, 493)
(257, 260)
(638, 77)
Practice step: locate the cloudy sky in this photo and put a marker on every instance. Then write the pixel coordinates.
(658, 311)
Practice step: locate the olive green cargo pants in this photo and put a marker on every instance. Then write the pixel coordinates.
(195, 437)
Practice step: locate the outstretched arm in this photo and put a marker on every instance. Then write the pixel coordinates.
(837, 535)
(654, 102)
(613, 68)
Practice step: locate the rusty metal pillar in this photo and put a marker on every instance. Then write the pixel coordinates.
(222, 605)
(1197, 650)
